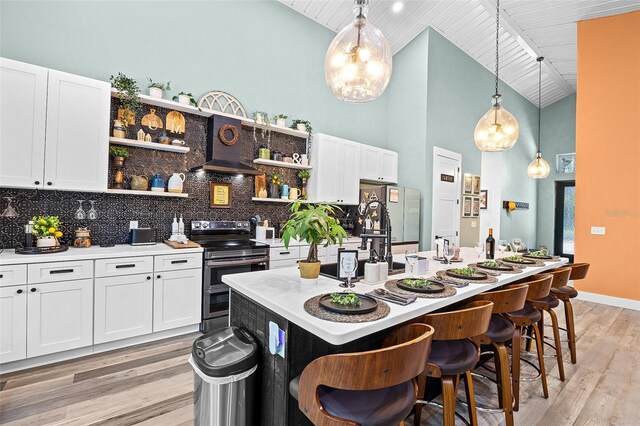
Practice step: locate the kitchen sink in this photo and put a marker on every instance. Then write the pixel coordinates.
(330, 270)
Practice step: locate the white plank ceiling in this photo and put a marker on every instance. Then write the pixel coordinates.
(529, 28)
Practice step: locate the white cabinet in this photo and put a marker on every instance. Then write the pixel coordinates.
(60, 316)
(23, 114)
(13, 323)
(176, 298)
(378, 165)
(123, 307)
(50, 122)
(336, 170)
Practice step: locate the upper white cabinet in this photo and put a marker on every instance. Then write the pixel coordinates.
(378, 165)
(51, 122)
(336, 170)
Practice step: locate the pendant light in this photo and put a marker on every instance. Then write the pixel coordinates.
(357, 66)
(539, 168)
(498, 129)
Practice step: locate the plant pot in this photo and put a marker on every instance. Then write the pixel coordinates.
(49, 241)
(302, 127)
(118, 161)
(274, 191)
(155, 92)
(184, 99)
(281, 122)
(309, 270)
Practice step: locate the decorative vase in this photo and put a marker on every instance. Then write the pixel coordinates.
(274, 190)
(309, 270)
(49, 241)
(302, 127)
(303, 190)
(184, 99)
(155, 92)
(118, 175)
(281, 122)
(119, 130)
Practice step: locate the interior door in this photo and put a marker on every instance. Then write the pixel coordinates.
(445, 217)
(563, 241)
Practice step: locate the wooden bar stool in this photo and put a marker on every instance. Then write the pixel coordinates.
(565, 293)
(539, 286)
(454, 353)
(501, 330)
(365, 388)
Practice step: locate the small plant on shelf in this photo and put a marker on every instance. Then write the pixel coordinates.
(47, 230)
(317, 225)
(298, 125)
(261, 119)
(119, 154)
(128, 94)
(304, 175)
(156, 88)
(186, 99)
(281, 120)
(274, 187)
(119, 151)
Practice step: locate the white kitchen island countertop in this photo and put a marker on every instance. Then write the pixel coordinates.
(9, 257)
(282, 292)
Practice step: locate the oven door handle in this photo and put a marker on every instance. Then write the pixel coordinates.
(222, 263)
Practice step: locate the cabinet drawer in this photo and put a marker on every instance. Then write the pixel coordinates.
(281, 253)
(13, 275)
(60, 271)
(279, 264)
(173, 262)
(124, 266)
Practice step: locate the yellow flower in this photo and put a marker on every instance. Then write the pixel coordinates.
(52, 230)
(58, 234)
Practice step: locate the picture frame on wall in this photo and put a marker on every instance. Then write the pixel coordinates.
(475, 209)
(466, 206)
(468, 184)
(220, 195)
(476, 185)
(566, 163)
(483, 199)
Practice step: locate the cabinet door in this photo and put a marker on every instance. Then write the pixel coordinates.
(60, 316)
(176, 299)
(13, 323)
(77, 133)
(349, 188)
(389, 166)
(23, 109)
(123, 307)
(324, 184)
(369, 163)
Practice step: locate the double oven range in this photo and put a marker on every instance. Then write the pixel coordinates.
(228, 249)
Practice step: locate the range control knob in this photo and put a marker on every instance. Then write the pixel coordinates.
(205, 225)
(238, 224)
(196, 225)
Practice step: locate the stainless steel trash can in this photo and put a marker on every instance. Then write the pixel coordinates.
(224, 363)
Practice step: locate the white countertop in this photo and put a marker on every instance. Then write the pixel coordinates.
(9, 257)
(277, 242)
(282, 291)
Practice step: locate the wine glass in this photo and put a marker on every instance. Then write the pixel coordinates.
(411, 257)
(92, 214)
(80, 213)
(9, 211)
(448, 252)
(349, 265)
(479, 248)
(502, 247)
(516, 243)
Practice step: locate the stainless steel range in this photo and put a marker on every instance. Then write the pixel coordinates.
(228, 249)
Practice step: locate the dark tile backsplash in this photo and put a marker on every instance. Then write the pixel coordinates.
(115, 211)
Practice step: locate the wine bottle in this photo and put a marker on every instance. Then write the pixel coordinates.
(490, 245)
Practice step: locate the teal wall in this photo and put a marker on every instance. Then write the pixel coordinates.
(558, 137)
(268, 56)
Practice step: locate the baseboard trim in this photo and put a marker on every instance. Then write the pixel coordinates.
(609, 300)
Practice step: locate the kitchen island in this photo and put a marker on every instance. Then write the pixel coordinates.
(278, 296)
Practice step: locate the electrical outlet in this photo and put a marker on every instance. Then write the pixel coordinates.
(474, 223)
(597, 230)
(133, 224)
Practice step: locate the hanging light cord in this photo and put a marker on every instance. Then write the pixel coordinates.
(497, 38)
(540, 59)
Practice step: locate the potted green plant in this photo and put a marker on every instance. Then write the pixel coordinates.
(281, 120)
(156, 88)
(119, 154)
(47, 230)
(128, 94)
(186, 99)
(304, 175)
(315, 224)
(274, 187)
(302, 125)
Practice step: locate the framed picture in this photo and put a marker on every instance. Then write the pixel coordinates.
(394, 195)
(476, 185)
(220, 195)
(475, 211)
(483, 199)
(566, 163)
(466, 206)
(342, 254)
(468, 184)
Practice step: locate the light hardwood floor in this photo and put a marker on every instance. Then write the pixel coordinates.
(152, 384)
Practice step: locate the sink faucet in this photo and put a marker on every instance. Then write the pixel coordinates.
(387, 235)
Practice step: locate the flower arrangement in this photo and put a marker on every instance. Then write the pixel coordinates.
(276, 180)
(46, 226)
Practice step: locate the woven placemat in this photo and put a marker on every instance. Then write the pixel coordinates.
(313, 308)
(392, 286)
(489, 280)
(524, 265)
(515, 269)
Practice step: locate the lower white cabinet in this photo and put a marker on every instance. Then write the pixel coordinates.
(123, 307)
(59, 316)
(13, 323)
(176, 298)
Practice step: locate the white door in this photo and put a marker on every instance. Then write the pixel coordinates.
(77, 147)
(13, 323)
(23, 113)
(445, 217)
(389, 166)
(349, 188)
(369, 163)
(123, 307)
(176, 299)
(60, 316)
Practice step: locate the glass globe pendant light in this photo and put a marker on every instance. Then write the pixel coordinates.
(357, 66)
(539, 168)
(498, 129)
